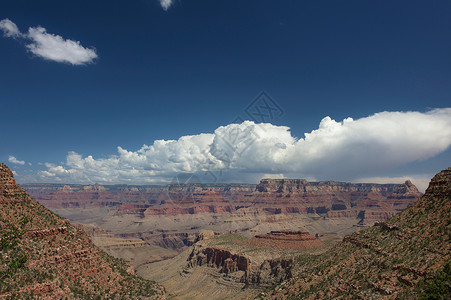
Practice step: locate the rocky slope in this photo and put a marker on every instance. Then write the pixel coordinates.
(401, 258)
(134, 250)
(44, 256)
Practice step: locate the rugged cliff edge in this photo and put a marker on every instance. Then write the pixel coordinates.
(43, 255)
(405, 257)
(262, 260)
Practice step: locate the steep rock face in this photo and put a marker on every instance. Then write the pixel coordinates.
(300, 240)
(273, 196)
(386, 261)
(43, 255)
(174, 241)
(301, 186)
(76, 195)
(243, 268)
(322, 197)
(262, 260)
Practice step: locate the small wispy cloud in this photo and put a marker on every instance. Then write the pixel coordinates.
(50, 46)
(14, 160)
(166, 4)
(9, 28)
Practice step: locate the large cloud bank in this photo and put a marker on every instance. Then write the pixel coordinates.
(343, 150)
(50, 46)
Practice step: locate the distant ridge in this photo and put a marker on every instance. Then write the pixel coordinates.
(42, 255)
(406, 257)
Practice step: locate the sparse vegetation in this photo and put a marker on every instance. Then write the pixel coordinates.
(438, 288)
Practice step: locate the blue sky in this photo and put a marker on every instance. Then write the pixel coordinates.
(142, 72)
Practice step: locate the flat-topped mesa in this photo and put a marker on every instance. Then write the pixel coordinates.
(286, 240)
(288, 235)
(302, 186)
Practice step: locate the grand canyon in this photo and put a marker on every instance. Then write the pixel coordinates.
(155, 216)
(191, 150)
(218, 241)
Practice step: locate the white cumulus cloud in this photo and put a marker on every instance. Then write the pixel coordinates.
(339, 150)
(54, 47)
(14, 160)
(165, 4)
(50, 46)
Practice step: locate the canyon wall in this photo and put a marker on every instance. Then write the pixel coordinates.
(171, 216)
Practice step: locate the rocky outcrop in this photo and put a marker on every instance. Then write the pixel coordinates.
(386, 226)
(93, 188)
(260, 261)
(226, 261)
(204, 235)
(47, 232)
(242, 267)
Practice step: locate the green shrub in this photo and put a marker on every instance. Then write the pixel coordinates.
(438, 288)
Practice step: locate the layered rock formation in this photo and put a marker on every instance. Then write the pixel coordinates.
(170, 218)
(261, 260)
(273, 196)
(231, 266)
(299, 240)
(405, 257)
(335, 199)
(43, 255)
